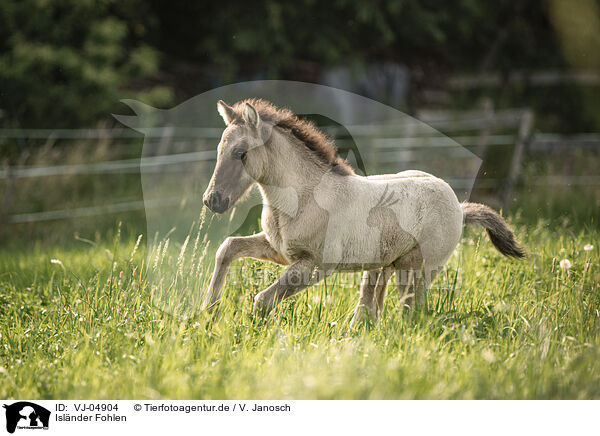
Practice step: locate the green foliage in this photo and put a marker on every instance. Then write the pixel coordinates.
(84, 326)
(65, 63)
(266, 37)
(68, 62)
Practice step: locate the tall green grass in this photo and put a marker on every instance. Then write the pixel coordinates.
(86, 322)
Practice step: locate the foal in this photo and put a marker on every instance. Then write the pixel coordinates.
(319, 217)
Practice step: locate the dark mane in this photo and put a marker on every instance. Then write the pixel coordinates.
(320, 144)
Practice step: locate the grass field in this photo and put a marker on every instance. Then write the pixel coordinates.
(80, 323)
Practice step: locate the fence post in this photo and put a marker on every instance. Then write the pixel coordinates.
(165, 141)
(523, 138)
(7, 200)
(488, 114)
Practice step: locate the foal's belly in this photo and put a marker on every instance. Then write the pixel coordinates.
(370, 249)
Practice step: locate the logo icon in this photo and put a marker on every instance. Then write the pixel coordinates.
(26, 415)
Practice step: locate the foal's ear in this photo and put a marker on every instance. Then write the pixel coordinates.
(251, 116)
(226, 112)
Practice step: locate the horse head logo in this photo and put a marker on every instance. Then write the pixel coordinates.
(27, 415)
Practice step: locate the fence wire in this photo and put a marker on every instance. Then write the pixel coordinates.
(539, 143)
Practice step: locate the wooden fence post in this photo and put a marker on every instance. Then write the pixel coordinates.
(523, 138)
(7, 200)
(488, 114)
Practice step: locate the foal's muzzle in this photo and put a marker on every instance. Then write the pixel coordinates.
(216, 202)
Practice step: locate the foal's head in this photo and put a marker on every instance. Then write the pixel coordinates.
(240, 156)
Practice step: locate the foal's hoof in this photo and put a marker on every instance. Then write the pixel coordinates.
(261, 306)
(362, 316)
(212, 308)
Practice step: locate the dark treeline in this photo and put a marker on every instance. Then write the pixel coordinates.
(66, 63)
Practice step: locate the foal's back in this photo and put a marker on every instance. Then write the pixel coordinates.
(372, 221)
(401, 175)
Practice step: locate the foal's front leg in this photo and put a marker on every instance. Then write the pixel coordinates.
(297, 277)
(372, 295)
(233, 248)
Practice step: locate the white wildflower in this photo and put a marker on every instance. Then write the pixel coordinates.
(565, 264)
(59, 263)
(588, 247)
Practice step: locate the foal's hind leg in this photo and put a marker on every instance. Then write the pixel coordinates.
(381, 288)
(410, 278)
(370, 287)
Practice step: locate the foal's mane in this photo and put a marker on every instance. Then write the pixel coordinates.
(306, 131)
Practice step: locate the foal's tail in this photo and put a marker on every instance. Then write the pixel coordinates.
(500, 234)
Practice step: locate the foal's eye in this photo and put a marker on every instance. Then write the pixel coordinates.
(239, 154)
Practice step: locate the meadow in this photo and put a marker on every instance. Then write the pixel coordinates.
(80, 322)
(87, 298)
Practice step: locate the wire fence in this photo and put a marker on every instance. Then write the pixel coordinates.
(387, 138)
(108, 166)
(125, 206)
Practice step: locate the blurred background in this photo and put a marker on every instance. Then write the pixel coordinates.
(517, 82)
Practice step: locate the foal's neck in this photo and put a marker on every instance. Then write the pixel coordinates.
(292, 174)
